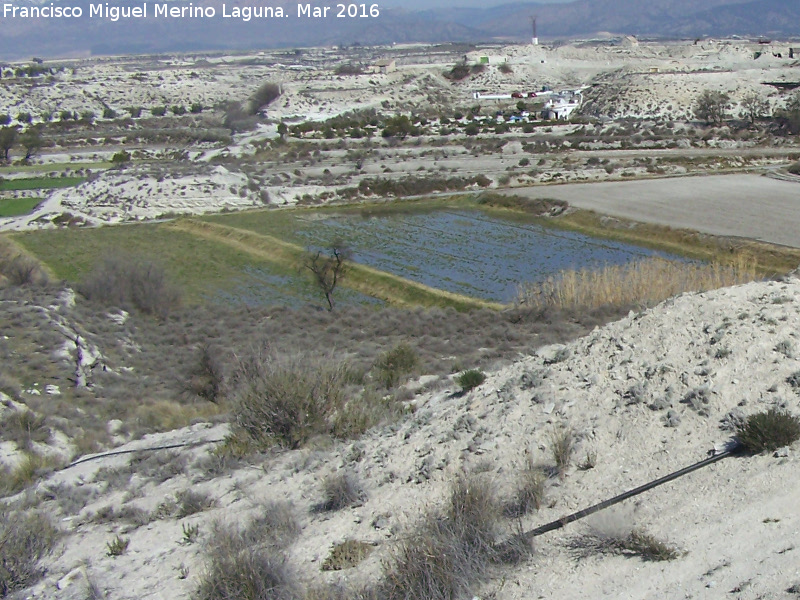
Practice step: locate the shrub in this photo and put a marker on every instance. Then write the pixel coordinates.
(109, 113)
(263, 96)
(469, 380)
(25, 538)
(505, 69)
(341, 490)
(768, 431)
(458, 72)
(286, 400)
(30, 468)
(158, 111)
(120, 158)
(127, 282)
(22, 270)
(24, 427)
(348, 69)
(392, 365)
(794, 168)
(205, 380)
(449, 550)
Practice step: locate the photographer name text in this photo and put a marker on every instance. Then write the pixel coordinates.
(168, 10)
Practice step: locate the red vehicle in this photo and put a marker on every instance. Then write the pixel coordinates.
(517, 95)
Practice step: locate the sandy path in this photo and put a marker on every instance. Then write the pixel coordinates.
(749, 206)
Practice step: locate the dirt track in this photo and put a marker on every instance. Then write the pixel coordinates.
(749, 206)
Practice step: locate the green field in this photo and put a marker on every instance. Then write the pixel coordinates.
(39, 183)
(14, 207)
(54, 167)
(200, 267)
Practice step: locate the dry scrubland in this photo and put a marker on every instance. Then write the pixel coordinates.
(196, 148)
(340, 474)
(390, 453)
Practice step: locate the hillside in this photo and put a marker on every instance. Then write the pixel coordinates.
(643, 396)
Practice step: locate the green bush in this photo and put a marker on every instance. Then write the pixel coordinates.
(471, 379)
(394, 364)
(794, 168)
(768, 431)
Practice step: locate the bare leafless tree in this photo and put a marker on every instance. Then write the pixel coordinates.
(328, 269)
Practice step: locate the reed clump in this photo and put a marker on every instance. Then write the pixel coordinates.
(647, 281)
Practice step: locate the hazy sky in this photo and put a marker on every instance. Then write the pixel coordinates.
(423, 4)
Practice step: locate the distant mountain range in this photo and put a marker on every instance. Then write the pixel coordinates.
(48, 37)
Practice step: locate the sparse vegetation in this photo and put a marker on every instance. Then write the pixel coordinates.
(768, 431)
(632, 542)
(346, 555)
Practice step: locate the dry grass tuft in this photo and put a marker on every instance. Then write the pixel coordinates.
(643, 282)
(530, 492)
(247, 564)
(562, 444)
(346, 555)
(25, 538)
(449, 550)
(633, 543)
(341, 490)
(30, 469)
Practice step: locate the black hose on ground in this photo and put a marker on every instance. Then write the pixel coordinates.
(717, 456)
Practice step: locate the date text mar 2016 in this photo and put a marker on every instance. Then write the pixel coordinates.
(339, 10)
